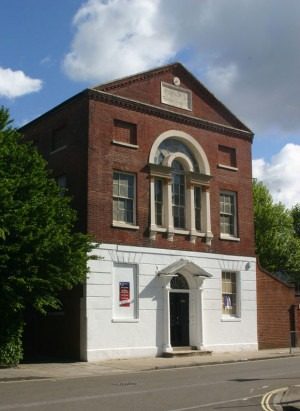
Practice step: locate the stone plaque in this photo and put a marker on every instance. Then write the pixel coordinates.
(176, 96)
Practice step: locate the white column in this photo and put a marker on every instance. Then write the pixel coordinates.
(206, 215)
(152, 209)
(167, 333)
(169, 216)
(190, 211)
(198, 322)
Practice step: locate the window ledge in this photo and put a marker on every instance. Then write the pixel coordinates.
(229, 318)
(124, 225)
(227, 167)
(229, 238)
(182, 232)
(159, 229)
(198, 234)
(125, 320)
(58, 149)
(121, 143)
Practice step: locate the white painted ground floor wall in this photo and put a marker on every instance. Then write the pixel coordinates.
(125, 311)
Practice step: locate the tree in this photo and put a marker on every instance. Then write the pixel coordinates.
(296, 219)
(40, 254)
(277, 245)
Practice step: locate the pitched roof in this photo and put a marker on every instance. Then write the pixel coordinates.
(112, 86)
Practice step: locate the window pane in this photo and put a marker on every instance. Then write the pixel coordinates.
(123, 201)
(229, 295)
(197, 199)
(178, 195)
(158, 190)
(59, 138)
(227, 213)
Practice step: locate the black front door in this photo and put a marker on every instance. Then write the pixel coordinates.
(179, 319)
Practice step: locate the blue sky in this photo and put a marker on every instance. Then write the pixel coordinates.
(247, 52)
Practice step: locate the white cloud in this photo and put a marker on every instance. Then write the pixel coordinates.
(223, 78)
(115, 38)
(16, 83)
(46, 61)
(246, 51)
(281, 175)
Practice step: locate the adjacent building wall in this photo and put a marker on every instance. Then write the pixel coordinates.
(276, 303)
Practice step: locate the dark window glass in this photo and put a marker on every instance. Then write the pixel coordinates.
(178, 194)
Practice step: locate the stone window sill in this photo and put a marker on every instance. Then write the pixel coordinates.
(121, 143)
(228, 167)
(229, 318)
(229, 238)
(125, 320)
(119, 224)
(58, 149)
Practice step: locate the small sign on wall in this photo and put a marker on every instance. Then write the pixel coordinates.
(124, 293)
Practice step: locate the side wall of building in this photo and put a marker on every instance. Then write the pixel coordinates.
(58, 333)
(276, 308)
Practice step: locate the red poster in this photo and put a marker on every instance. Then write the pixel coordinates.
(124, 293)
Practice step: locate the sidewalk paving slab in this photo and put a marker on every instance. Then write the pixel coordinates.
(59, 370)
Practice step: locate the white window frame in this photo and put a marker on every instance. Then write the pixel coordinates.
(165, 173)
(178, 205)
(129, 313)
(161, 202)
(234, 234)
(190, 210)
(123, 223)
(229, 315)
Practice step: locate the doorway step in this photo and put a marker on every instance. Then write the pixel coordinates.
(185, 352)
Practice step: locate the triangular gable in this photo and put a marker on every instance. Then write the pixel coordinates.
(146, 87)
(184, 267)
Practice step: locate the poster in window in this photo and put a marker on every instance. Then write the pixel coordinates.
(124, 293)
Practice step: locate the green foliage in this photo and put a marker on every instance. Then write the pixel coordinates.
(295, 211)
(277, 245)
(40, 254)
(11, 351)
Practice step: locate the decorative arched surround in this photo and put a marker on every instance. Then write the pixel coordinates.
(196, 182)
(191, 143)
(194, 276)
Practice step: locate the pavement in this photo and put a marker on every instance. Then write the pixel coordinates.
(287, 399)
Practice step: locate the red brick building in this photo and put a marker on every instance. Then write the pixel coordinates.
(160, 173)
(278, 317)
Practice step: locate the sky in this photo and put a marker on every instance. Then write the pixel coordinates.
(246, 52)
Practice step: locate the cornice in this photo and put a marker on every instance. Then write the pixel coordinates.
(134, 79)
(146, 108)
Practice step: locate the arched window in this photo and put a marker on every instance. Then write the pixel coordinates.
(179, 187)
(179, 282)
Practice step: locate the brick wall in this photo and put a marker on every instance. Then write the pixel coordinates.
(72, 119)
(275, 303)
(104, 157)
(90, 158)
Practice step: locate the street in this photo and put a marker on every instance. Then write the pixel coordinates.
(227, 387)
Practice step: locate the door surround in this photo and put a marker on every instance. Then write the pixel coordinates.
(194, 277)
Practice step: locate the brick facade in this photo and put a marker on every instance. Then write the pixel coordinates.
(113, 128)
(277, 311)
(90, 156)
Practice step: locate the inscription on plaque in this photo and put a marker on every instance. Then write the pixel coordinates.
(176, 96)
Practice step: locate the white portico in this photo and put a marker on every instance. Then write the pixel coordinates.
(182, 306)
